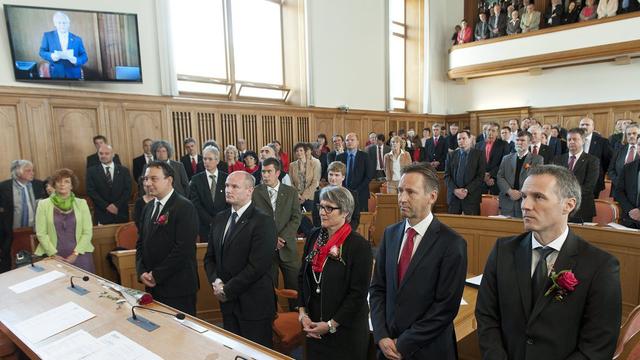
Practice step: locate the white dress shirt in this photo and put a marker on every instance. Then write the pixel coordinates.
(556, 245)
(420, 228)
(209, 174)
(111, 169)
(587, 143)
(239, 212)
(64, 40)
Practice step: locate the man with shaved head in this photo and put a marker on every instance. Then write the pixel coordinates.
(359, 170)
(109, 187)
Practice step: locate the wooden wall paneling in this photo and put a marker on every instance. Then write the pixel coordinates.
(141, 124)
(74, 149)
(323, 124)
(285, 132)
(229, 125)
(111, 115)
(303, 132)
(181, 123)
(602, 120)
(9, 138)
(379, 125)
(206, 125)
(268, 122)
(43, 153)
(353, 124)
(250, 130)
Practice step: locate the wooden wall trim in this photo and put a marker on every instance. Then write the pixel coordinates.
(561, 58)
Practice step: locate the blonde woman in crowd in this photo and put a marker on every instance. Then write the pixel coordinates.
(394, 161)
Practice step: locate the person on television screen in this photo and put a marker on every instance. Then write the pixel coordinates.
(63, 50)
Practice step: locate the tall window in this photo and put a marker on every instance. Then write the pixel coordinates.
(397, 55)
(229, 47)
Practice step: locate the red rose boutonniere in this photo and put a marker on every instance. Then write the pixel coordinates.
(162, 219)
(564, 283)
(526, 166)
(336, 254)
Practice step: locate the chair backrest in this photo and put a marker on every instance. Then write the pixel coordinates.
(21, 241)
(605, 194)
(490, 205)
(629, 329)
(126, 236)
(367, 219)
(606, 212)
(373, 202)
(383, 188)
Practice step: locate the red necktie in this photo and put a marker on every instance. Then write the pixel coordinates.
(572, 162)
(405, 257)
(435, 141)
(487, 152)
(632, 154)
(535, 149)
(194, 165)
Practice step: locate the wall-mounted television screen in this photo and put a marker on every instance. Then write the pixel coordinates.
(73, 45)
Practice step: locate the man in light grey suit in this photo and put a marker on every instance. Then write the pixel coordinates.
(513, 170)
(376, 154)
(530, 20)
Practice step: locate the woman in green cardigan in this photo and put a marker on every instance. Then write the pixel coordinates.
(63, 224)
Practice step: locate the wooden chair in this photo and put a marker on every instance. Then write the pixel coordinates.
(7, 347)
(126, 236)
(373, 202)
(490, 205)
(366, 225)
(383, 188)
(287, 330)
(629, 339)
(606, 212)
(21, 241)
(605, 194)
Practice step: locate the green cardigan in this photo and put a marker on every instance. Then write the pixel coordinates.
(46, 229)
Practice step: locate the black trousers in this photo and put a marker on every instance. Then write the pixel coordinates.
(466, 206)
(185, 304)
(258, 331)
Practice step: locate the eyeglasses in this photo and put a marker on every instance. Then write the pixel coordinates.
(327, 209)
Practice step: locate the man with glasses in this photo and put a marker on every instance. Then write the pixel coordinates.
(166, 248)
(280, 202)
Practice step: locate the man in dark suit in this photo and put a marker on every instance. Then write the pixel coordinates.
(376, 153)
(493, 149)
(280, 201)
(537, 147)
(142, 160)
(481, 32)
(192, 161)
(497, 22)
(163, 151)
(436, 149)
(464, 173)
(520, 314)
(109, 187)
(615, 140)
(316, 151)
(628, 195)
(359, 170)
(338, 148)
(93, 160)
(631, 5)
(166, 248)
(596, 145)
(452, 138)
(624, 155)
(238, 262)
(553, 142)
(585, 167)
(513, 171)
(206, 191)
(18, 197)
(555, 13)
(419, 276)
(241, 145)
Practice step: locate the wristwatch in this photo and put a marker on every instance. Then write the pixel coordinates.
(332, 329)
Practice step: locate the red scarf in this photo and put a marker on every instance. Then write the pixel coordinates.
(336, 240)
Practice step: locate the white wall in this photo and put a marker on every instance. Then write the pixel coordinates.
(347, 53)
(147, 28)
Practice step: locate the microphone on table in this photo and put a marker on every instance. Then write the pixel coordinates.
(179, 316)
(84, 278)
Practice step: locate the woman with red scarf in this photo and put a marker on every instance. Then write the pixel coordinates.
(333, 283)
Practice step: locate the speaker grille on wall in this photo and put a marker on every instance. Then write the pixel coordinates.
(229, 130)
(181, 130)
(286, 133)
(303, 128)
(268, 129)
(250, 130)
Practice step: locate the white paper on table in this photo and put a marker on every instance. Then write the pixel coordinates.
(463, 302)
(118, 346)
(499, 217)
(34, 282)
(621, 227)
(236, 346)
(475, 280)
(590, 223)
(67, 53)
(53, 321)
(72, 347)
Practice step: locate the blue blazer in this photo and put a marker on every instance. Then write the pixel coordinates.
(63, 69)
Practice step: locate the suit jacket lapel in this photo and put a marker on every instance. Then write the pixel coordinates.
(218, 236)
(580, 163)
(164, 211)
(523, 272)
(428, 240)
(566, 260)
(394, 252)
(264, 192)
(241, 222)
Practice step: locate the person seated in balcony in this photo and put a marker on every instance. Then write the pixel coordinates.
(589, 11)
(530, 20)
(465, 35)
(513, 26)
(571, 16)
(607, 8)
(625, 6)
(497, 22)
(454, 37)
(555, 14)
(482, 28)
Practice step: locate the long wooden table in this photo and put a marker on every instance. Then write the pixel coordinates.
(170, 341)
